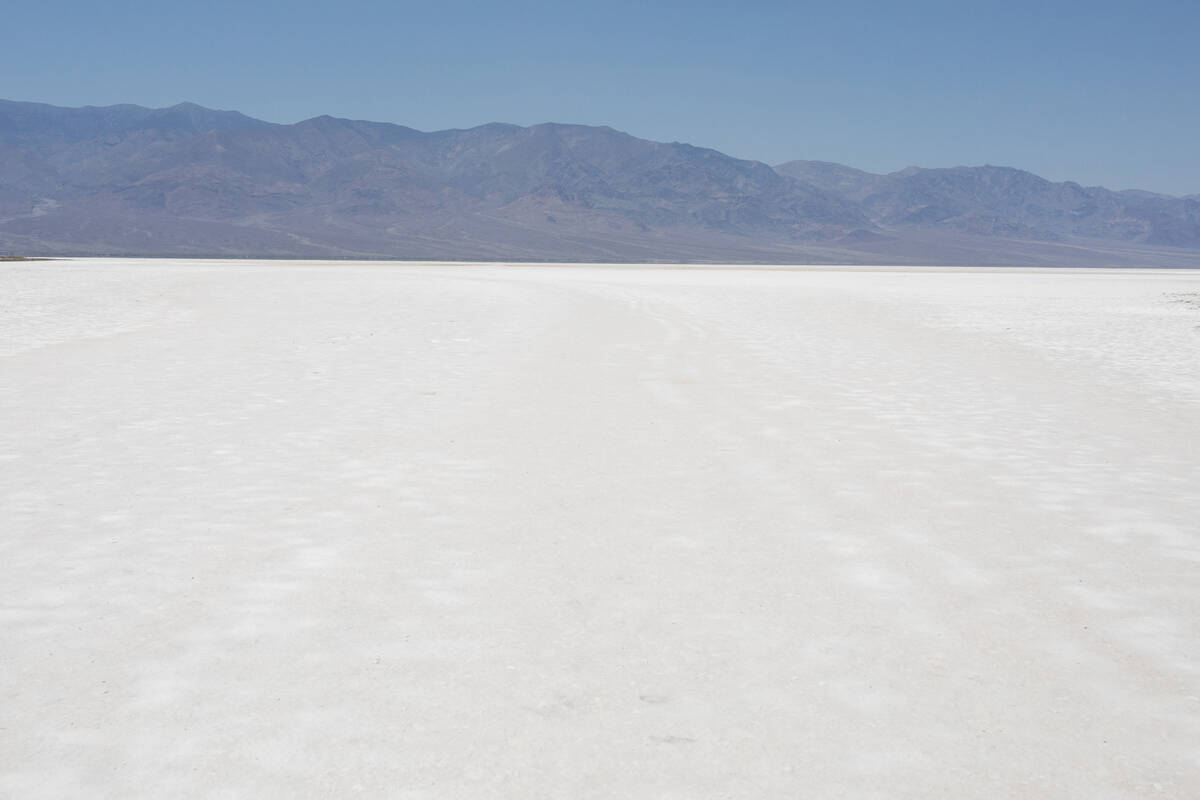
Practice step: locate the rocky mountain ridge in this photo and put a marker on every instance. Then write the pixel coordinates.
(1003, 201)
(186, 180)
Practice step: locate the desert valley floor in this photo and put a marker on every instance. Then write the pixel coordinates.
(285, 529)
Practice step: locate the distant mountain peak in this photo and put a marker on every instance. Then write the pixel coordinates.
(190, 180)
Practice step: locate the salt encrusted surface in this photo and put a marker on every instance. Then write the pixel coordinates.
(280, 529)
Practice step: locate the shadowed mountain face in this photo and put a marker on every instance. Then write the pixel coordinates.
(1000, 201)
(186, 180)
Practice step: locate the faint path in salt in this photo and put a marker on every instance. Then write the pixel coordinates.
(284, 530)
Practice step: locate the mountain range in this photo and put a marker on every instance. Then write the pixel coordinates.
(191, 181)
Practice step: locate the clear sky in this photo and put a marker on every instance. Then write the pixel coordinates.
(1101, 92)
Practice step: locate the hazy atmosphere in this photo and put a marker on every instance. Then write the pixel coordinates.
(1100, 92)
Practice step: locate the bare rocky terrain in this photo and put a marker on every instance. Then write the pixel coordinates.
(1006, 202)
(190, 181)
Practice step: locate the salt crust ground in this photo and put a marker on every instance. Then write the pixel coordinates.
(286, 529)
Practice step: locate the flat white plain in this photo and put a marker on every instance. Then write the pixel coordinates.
(282, 529)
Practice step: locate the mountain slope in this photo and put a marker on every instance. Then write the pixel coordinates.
(132, 179)
(1001, 201)
(185, 180)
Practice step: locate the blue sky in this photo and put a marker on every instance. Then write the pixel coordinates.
(1099, 92)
